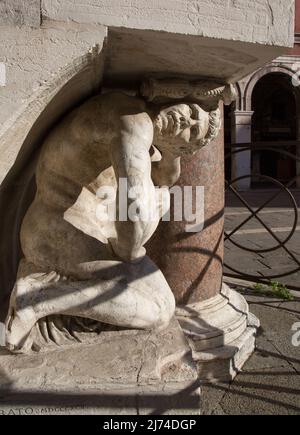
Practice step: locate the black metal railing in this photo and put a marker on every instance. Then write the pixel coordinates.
(233, 270)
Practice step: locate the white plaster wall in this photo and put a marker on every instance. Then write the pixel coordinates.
(33, 57)
(20, 12)
(259, 21)
(58, 62)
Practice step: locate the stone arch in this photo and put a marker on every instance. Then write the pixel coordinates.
(239, 98)
(287, 74)
(254, 79)
(20, 139)
(246, 87)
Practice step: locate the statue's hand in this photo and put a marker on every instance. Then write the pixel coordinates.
(142, 220)
(122, 252)
(166, 171)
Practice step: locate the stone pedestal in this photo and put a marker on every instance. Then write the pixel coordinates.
(121, 373)
(221, 333)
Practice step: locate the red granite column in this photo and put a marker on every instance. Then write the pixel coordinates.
(192, 262)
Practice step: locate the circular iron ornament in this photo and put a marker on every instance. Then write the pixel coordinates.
(250, 147)
(255, 277)
(294, 204)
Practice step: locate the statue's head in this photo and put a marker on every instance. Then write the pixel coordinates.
(185, 128)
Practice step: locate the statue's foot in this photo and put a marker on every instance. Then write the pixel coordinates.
(22, 315)
(18, 330)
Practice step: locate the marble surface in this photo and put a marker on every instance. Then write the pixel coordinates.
(79, 260)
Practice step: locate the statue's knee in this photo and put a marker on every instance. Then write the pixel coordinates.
(164, 313)
(167, 313)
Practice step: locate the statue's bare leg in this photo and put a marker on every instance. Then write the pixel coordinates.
(122, 294)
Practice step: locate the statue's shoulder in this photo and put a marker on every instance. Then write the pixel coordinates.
(119, 102)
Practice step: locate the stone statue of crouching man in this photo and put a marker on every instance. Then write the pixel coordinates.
(76, 265)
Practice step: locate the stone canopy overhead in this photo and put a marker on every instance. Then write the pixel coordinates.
(132, 54)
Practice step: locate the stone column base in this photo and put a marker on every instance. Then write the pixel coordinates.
(221, 333)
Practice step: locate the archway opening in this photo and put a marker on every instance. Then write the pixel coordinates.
(274, 124)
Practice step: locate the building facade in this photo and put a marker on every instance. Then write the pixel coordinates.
(267, 115)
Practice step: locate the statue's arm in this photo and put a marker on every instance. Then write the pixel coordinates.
(131, 162)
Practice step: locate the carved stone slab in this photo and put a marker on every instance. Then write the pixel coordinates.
(124, 372)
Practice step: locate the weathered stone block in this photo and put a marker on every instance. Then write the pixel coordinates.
(270, 22)
(20, 12)
(124, 372)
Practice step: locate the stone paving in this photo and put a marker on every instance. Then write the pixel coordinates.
(280, 217)
(270, 382)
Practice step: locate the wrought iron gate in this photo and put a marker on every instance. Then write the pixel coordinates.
(232, 265)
